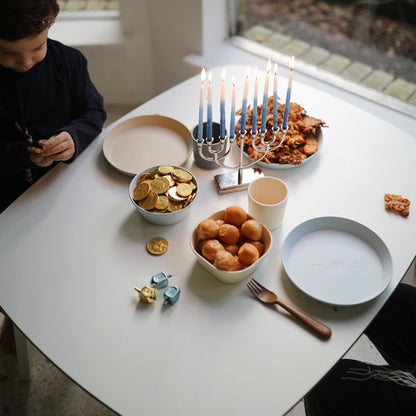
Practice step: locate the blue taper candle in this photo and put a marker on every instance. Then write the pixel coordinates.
(244, 104)
(232, 117)
(265, 99)
(275, 102)
(288, 93)
(254, 118)
(201, 106)
(209, 110)
(222, 105)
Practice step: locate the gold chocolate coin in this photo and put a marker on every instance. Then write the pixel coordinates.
(159, 185)
(189, 200)
(174, 206)
(170, 180)
(184, 189)
(181, 175)
(173, 195)
(144, 177)
(141, 191)
(157, 246)
(162, 203)
(165, 169)
(149, 202)
(34, 149)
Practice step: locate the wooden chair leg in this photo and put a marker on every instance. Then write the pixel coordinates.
(24, 355)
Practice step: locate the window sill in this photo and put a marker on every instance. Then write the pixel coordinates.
(87, 28)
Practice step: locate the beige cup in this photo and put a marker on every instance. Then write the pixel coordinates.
(267, 198)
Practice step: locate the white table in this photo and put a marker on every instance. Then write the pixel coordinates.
(73, 248)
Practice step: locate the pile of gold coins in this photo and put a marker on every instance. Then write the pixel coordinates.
(168, 189)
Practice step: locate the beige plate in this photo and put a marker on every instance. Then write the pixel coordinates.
(143, 141)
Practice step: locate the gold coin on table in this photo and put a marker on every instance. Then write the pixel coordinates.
(165, 169)
(157, 246)
(181, 175)
(149, 202)
(162, 203)
(183, 189)
(141, 191)
(159, 185)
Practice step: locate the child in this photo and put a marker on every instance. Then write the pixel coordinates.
(49, 109)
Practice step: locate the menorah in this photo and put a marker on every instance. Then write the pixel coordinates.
(244, 174)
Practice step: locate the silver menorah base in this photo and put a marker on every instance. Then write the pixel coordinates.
(237, 180)
(244, 173)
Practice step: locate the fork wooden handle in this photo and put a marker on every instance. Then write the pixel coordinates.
(317, 326)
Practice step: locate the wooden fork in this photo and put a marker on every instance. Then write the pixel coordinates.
(267, 296)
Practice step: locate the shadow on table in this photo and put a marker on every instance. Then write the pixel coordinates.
(110, 172)
(321, 310)
(207, 288)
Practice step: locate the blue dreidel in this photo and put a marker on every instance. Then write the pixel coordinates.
(171, 295)
(160, 280)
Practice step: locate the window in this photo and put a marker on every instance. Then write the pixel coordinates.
(369, 44)
(82, 5)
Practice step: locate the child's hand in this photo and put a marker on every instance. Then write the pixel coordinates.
(57, 148)
(39, 160)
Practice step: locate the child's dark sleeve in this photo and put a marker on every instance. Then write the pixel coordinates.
(13, 150)
(88, 114)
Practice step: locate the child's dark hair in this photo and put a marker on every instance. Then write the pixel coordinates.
(20, 19)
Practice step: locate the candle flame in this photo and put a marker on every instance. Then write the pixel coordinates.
(269, 66)
(255, 72)
(203, 75)
(292, 63)
(275, 69)
(233, 81)
(223, 74)
(210, 77)
(247, 72)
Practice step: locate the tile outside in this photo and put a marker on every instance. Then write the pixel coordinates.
(401, 89)
(378, 80)
(356, 71)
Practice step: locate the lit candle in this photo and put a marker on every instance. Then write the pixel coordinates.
(275, 97)
(288, 92)
(201, 106)
(232, 118)
(244, 104)
(254, 119)
(209, 110)
(222, 105)
(265, 98)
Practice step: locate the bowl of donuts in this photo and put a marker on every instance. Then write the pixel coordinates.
(230, 244)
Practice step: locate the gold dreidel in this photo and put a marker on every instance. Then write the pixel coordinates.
(146, 294)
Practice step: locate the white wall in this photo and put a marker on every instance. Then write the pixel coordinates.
(133, 58)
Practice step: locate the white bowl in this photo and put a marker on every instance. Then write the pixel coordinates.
(230, 276)
(161, 218)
